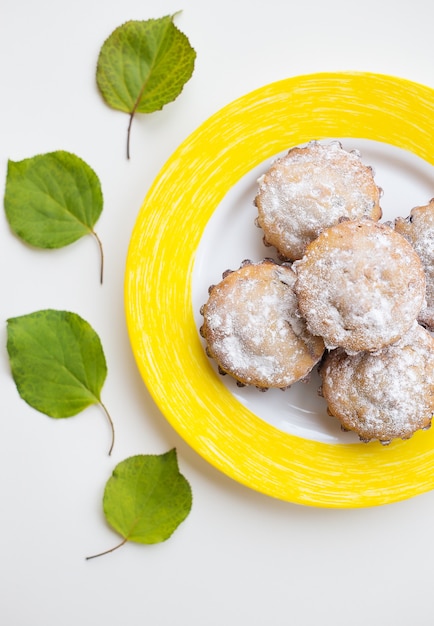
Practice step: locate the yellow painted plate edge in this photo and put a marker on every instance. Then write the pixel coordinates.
(158, 290)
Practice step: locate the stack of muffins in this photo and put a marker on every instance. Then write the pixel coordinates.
(348, 294)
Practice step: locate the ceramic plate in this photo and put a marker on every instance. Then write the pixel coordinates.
(198, 220)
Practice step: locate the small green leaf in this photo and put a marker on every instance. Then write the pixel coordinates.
(57, 362)
(144, 65)
(146, 498)
(52, 199)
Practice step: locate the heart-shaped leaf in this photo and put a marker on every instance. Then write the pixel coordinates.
(57, 362)
(144, 65)
(53, 199)
(146, 498)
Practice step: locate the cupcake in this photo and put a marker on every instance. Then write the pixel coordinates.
(418, 229)
(360, 285)
(310, 189)
(253, 330)
(385, 395)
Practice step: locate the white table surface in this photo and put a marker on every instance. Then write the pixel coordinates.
(240, 558)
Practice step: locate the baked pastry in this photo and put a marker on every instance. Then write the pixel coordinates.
(310, 189)
(252, 327)
(360, 285)
(384, 396)
(418, 229)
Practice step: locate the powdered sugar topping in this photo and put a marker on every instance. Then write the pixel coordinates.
(253, 328)
(310, 189)
(360, 286)
(385, 395)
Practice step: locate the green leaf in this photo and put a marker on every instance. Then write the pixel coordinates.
(144, 65)
(146, 498)
(52, 199)
(57, 362)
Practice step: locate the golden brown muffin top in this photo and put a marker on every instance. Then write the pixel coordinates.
(253, 330)
(386, 395)
(309, 189)
(360, 285)
(418, 229)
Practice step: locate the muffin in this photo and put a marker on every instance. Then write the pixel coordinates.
(360, 285)
(253, 330)
(310, 189)
(418, 229)
(384, 396)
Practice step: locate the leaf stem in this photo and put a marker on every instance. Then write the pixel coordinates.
(101, 252)
(111, 426)
(129, 130)
(94, 556)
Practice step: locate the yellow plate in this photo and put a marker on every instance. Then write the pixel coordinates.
(158, 287)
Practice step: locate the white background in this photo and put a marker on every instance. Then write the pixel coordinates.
(240, 558)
